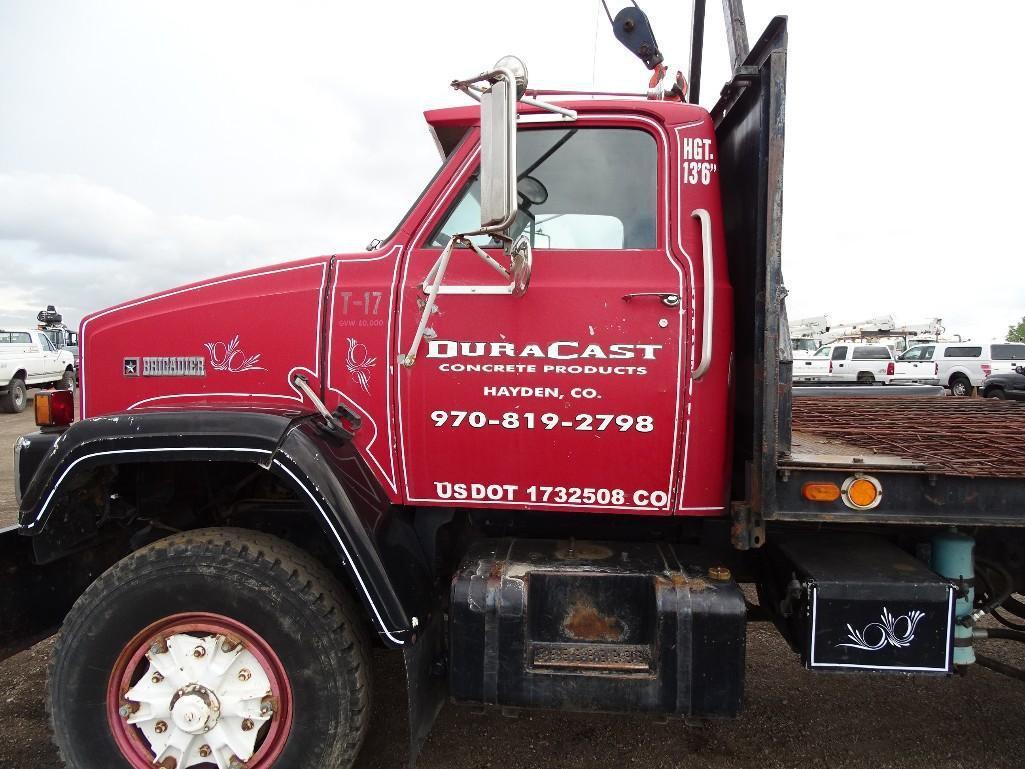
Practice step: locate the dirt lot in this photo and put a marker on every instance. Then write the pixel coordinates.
(793, 718)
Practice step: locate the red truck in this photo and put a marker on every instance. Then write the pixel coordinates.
(537, 440)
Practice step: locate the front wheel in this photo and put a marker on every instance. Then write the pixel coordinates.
(14, 400)
(216, 648)
(998, 393)
(67, 382)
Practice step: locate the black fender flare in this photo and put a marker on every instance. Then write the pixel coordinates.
(374, 544)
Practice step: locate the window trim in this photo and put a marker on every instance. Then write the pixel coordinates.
(432, 222)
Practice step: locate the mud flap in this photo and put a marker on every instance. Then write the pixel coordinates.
(426, 683)
(35, 599)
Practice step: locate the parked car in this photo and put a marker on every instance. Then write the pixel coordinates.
(29, 358)
(846, 363)
(1009, 385)
(916, 366)
(962, 366)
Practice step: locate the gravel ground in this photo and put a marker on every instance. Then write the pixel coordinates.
(793, 718)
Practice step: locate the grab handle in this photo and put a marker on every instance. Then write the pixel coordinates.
(708, 310)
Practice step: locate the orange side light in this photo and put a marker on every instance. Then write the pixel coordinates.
(862, 492)
(820, 492)
(42, 404)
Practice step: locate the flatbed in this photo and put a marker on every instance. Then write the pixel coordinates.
(966, 437)
(938, 459)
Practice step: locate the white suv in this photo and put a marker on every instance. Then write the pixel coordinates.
(846, 363)
(961, 366)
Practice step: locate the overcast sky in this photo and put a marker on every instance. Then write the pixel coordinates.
(144, 145)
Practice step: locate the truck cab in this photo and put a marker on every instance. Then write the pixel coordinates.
(619, 346)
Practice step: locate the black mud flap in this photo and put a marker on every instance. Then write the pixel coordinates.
(35, 599)
(426, 684)
(859, 603)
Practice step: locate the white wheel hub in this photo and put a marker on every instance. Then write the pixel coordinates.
(202, 700)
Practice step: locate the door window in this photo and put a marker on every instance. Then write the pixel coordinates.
(840, 353)
(927, 353)
(46, 344)
(914, 354)
(580, 189)
(15, 337)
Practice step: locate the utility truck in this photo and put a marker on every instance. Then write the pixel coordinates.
(535, 441)
(29, 359)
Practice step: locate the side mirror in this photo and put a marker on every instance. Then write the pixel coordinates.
(498, 202)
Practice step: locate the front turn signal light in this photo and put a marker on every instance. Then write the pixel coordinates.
(55, 409)
(862, 492)
(820, 492)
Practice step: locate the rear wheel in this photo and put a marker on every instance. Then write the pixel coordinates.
(14, 400)
(866, 378)
(998, 393)
(960, 386)
(215, 648)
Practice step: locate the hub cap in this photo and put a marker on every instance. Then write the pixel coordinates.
(207, 693)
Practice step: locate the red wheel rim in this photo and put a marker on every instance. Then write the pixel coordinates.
(131, 663)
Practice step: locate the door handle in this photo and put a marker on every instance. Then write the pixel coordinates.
(669, 300)
(709, 304)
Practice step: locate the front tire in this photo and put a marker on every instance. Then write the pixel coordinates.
(998, 393)
(144, 669)
(67, 382)
(14, 400)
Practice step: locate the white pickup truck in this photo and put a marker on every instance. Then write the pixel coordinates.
(846, 363)
(29, 358)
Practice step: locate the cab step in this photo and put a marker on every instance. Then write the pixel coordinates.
(594, 626)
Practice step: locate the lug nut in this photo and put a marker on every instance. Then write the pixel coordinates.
(126, 710)
(159, 646)
(236, 763)
(168, 763)
(160, 727)
(720, 574)
(244, 674)
(199, 651)
(157, 678)
(247, 724)
(204, 751)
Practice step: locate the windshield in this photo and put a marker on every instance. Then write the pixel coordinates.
(376, 243)
(807, 345)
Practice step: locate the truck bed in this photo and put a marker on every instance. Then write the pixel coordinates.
(966, 437)
(939, 460)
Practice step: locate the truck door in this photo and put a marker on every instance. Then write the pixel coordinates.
(49, 362)
(569, 396)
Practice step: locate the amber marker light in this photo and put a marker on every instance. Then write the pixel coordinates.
(820, 492)
(862, 492)
(55, 409)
